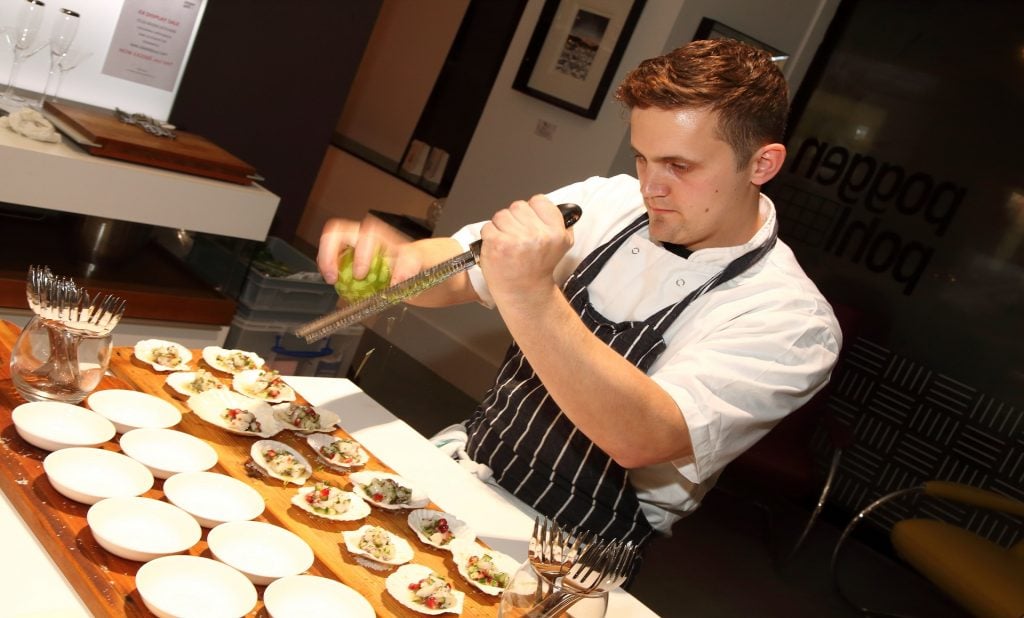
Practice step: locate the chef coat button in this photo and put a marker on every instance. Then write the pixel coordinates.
(636, 250)
(680, 282)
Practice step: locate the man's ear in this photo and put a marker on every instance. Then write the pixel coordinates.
(768, 162)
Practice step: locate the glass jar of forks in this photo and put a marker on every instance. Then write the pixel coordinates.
(528, 590)
(52, 362)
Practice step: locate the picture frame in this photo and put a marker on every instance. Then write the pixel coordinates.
(575, 50)
(711, 29)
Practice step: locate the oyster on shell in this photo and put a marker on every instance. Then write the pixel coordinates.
(163, 355)
(327, 501)
(388, 491)
(304, 418)
(439, 529)
(422, 590)
(487, 569)
(190, 383)
(235, 413)
(340, 453)
(265, 384)
(281, 461)
(231, 361)
(379, 545)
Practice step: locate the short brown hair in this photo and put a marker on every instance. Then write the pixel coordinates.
(738, 82)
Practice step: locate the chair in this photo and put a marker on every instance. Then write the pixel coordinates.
(983, 577)
(783, 464)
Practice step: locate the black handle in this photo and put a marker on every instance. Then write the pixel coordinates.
(571, 213)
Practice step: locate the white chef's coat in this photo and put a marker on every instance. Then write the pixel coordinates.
(738, 359)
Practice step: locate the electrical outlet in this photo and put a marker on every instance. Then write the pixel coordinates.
(545, 129)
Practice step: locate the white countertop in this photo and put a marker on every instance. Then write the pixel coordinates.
(32, 586)
(66, 178)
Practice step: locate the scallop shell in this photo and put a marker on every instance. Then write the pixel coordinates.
(419, 519)
(504, 563)
(328, 420)
(181, 382)
(317, 441)
(146, 350)
(253, 383)
(397, 585)
(417, 500)
(403, 550)
(260, 446)
(357, 507)
(211, 406)
(215, 357)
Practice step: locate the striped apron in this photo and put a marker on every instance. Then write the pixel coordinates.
(535, 450)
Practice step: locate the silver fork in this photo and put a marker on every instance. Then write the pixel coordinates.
(602, 566)
(552, 551)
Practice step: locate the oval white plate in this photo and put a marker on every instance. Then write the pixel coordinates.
(403, 551)
(503, 563)
(52, 425)
(129, 410)
(261, 446)
(417, 499)
(167, 452)
(88, 475)
(219, 358)
(145, 349)
(212, 405)
(420, 518)
(306, 596)
(181, 382)
(397, 585)
(176, 586)
(249, 384)
(317, 441)
(327, 420)
(357, 507)
(262, 552)
(213, 498)
(142, 529)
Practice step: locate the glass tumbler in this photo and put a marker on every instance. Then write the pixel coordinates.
(52, 362)
(528, 588)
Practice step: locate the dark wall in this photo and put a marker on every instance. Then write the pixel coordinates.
(266, 80)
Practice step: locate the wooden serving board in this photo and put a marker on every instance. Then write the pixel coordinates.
(106, 583)
(102, 134)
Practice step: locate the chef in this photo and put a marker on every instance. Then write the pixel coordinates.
(663, 334)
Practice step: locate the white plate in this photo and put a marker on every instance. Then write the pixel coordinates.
(180, 586)
(503, 563)
(254, 383)
(52, 425)
(357, 508)
(300, 466)
(211, 406)
(146, 349)
(397, 585)
(88, 475)
(181, 382)
(360, 480)
(402, 553)
(308, 596)
(421, 518)
(142, 529)
(220, 359)
(318, 441)
(262, 552)
(167, 452)
(213, 498)
(327, 420)
(129, 410)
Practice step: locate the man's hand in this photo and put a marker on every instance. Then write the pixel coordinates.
(367, 237)
(522, 244)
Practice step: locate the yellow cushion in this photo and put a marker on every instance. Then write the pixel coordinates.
(983, 577)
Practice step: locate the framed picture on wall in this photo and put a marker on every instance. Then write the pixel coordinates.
(711, 29)
(575, 50)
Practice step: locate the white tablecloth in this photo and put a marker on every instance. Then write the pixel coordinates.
(32, 586)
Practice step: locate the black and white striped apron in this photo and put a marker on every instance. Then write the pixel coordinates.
(535, 450)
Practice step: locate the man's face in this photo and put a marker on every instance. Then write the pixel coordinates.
(693, 192)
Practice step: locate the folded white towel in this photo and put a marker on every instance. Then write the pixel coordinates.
(30, 123)
(452, 442)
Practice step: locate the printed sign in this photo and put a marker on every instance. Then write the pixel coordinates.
(150, 41)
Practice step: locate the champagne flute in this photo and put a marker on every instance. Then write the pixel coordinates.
(61, 36)
(21, 37)
(68, 61)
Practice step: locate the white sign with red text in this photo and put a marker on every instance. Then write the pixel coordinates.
(150, 41)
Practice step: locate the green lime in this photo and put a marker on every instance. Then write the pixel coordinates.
(354, 290)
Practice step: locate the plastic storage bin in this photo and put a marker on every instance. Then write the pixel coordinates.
(291, 355)
(266, 296)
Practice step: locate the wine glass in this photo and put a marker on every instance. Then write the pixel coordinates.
(61, 36)
(21, 38)
(71, 59)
